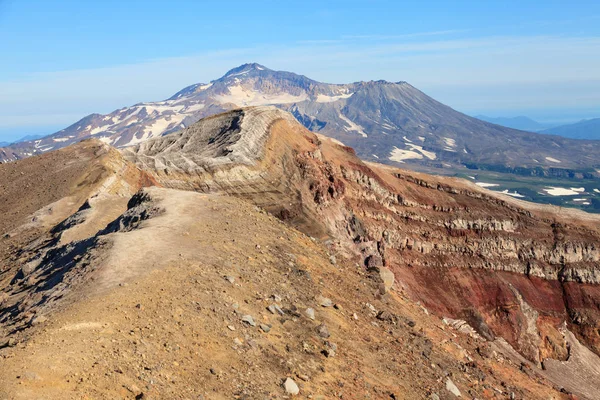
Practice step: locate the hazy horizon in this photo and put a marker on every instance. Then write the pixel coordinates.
(492, 59)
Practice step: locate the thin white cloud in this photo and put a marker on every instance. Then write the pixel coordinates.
(466, 73)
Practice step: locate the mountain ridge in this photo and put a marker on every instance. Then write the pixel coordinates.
(218, 261)
(587, 129)
(390, 122)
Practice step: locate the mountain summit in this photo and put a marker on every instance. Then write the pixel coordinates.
(384, 121)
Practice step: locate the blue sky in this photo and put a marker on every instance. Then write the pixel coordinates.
(62, 60)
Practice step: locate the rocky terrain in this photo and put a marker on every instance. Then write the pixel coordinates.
(388, 122)
(247, 257)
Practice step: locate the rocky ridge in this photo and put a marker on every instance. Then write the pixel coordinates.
(411, 249)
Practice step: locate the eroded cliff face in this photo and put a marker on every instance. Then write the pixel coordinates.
(510, 270)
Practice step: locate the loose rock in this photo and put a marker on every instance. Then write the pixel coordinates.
(324, 301)
(291, 387)
(249, 320)
(451, 387)
(323, 331)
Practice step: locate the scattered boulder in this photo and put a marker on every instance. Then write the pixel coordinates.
(451, 387)
(310, 313)
(386, 316)
(324, 301)
(387, 277)
(373, 262)
(323, 331)
(37, 320)
(265, 328)
(249, 320)
(291, 387)
(275, 309)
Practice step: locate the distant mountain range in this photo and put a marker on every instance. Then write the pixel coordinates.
(522, 123)
(586, 129)
(23, 139)
(389, 122)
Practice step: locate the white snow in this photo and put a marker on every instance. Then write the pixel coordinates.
(472, 177)
(102, 128)
(513, 194)
(596, 190)
(450, 142)
(429, 154)
(194, 108)
(353, 126)
(106, 139)
(580, 199)
(554, 160)
(421, 138)
(406, 139)
(323, 98)
(559, 191)
(162, 124)
(375, 155)
(486, 185)
(247, 97)
(240, 73)
(401, 155)
(62, 139)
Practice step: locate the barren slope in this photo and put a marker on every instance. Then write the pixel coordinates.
(157, 303)
(168, 320)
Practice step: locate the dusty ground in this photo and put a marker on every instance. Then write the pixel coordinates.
(166, 322)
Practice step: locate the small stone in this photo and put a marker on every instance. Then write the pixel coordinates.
(231, 327)
(337, 306)
(323, 331)
(265, 328)
(387, 277)
(275, 309)
(40, 319)
(330, 349)
(355, 316)
(324, 301)
(230, 279)
(332, 260)
(303, 377)
(238, 341)
(372, 308)
(138, 306)
(373, 262)
(276, 298)
(310, 313)
(451, 387)
(385, 316)
(249, 320)
(291, 387)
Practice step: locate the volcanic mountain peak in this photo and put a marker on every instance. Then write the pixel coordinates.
(384, 121)
(244, 69)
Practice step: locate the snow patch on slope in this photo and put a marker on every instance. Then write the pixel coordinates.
(247, 97)
(353, 126)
